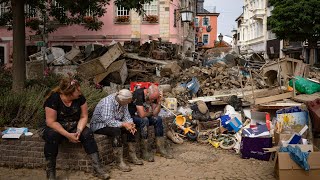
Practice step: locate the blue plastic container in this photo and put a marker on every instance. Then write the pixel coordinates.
(234, 125)
(224, 119)
(193, 86)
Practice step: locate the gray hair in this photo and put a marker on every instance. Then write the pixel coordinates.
(153, 90)
(124, 94)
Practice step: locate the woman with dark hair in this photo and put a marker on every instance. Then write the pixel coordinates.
(66, 114)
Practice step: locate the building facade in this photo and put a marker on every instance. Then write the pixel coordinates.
(162, 20)
(253, 34)
(252, 27)
(205, 26)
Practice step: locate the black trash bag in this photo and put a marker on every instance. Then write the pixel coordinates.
(235, 102)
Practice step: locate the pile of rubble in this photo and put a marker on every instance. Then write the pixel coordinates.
(156, 61)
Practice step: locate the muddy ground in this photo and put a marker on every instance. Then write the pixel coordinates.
(192, 161)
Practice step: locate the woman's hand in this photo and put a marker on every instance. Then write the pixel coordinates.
(73, 137)
(78, 133)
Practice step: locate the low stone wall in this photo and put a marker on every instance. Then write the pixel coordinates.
(28, 152)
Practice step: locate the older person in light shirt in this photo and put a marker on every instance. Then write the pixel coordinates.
(111, 117)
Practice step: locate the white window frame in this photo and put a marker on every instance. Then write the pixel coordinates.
(196, 22)
(29, 11)
(208, 39)
(55, 3)
(4, 8)
(89, 12)
(151, 8)
(203, 21)
(121, 11)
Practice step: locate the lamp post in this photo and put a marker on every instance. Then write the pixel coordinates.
(186, 17)
(220, 37)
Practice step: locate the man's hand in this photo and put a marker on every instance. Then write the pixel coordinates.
(133, 130)
(149, 114)
(160, 98)
(128, 125)
(131, 127)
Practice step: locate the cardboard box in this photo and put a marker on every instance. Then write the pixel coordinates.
(278, 137)
(286, 168)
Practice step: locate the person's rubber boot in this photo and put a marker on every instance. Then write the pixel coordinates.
(132, 154)
(161, 149)
(119, 158)
(97, 167)
(146, 154)
(51, 168)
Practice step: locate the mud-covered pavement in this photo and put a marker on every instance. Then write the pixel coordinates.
(192, 161)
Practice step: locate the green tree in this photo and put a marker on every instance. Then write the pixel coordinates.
(296, 20)
(66, 12)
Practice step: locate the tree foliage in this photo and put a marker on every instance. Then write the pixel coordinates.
(67, 12)
(46, 16)
(295, 20)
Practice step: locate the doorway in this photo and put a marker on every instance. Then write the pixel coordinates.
(2, 55)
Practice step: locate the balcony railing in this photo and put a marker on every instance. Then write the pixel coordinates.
(258, 13)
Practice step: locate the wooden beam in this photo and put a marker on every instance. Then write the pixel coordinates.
(136, 57)
(274, 98)
(100, 65)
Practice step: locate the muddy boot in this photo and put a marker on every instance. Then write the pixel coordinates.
(118, 151)
(146, 154)
(51, 168)
(132, 154)
(97, 167)
(160, 147)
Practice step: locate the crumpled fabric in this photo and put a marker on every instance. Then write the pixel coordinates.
(301, 158)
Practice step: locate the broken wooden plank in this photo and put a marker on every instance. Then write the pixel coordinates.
(119, 71)
(204, 99)
(274, 98)
(303, 147)
(136, 57)
(111, 55)
(285, 104)
(303, 98)
(72, 54)
(277, 105)
(99, 65)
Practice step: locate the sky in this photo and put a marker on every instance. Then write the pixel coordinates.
(229, 10)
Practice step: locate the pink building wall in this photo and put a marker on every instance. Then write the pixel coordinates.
(78, 35)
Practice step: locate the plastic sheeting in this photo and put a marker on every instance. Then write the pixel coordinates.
(301, 158)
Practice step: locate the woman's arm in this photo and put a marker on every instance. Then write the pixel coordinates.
(83, 118)
(51, 121)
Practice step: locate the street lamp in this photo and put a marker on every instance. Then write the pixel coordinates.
(220, 37)
(186, 15)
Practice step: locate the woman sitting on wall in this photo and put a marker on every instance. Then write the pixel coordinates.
(66, 114)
